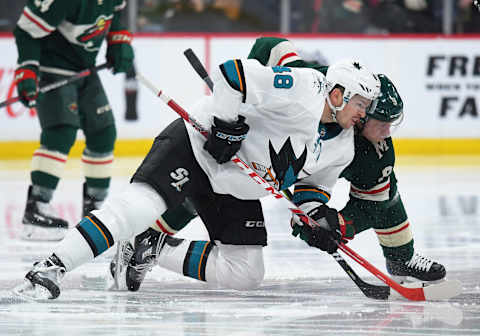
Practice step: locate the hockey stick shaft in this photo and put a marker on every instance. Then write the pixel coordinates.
(415, 294)
(60, 83)
(371, 291)
(198, 67)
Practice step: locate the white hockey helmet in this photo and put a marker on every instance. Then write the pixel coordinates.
(355, 78)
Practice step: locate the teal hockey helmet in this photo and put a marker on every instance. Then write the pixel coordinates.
(389, 104)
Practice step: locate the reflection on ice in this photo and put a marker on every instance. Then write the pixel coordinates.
(304, 293)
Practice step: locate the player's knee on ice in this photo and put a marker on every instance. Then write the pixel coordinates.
(240, 267)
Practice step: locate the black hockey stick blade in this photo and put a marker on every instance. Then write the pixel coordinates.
(198, 67)
(378, 292)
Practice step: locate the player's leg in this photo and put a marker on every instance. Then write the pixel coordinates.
(396, 238)
(58, 116)
(122, 216)
(390, 222)
(233, 258)
(175, 219)
(169, 223)
(97, 123)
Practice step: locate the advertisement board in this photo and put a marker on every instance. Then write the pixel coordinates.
(438, 79)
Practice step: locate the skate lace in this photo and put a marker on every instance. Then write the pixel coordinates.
(127, 253)
(420, 263)
(151, 259)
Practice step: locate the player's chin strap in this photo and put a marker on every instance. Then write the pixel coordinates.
(335, 109)
(418, 293)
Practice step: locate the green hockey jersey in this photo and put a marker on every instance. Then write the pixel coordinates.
(63, 36)
(371, 171)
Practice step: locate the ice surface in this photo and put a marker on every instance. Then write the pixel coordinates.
(305, 292)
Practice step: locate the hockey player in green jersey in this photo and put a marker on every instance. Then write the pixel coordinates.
(374, 198)
(55, 39)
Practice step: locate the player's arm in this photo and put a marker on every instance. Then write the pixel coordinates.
(247, 81)
(275, 51)
(38, 20)
(311, 196)
(119, 50)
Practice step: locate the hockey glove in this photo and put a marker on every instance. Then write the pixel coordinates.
(119, 51)
(26, 80)
(226, 138)
(332, 228)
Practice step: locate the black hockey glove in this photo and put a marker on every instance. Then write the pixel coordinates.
(323, 237)
(226, 138)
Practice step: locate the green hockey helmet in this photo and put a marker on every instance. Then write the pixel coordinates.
(389, 105)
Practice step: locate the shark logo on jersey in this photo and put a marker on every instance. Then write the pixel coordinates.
(286, 165)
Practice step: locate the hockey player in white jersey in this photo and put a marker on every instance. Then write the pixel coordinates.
(293, 126)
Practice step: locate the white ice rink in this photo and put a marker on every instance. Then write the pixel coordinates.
(305, 292)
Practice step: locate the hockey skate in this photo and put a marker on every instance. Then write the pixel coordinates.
(39, 221)
(43, 281)
(119, 263)
(417, 268)
(89, 203)
(147, 249)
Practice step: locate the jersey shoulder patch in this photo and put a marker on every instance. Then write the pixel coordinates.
(233, 72)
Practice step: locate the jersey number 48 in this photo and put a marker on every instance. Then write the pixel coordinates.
(282, 81)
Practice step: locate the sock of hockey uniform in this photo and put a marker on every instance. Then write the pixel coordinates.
(187, 257)
(227, 266)
(396, 241)
(175, 219)
(48, 161)
(47, 169)
(97, 161)
(97, 168)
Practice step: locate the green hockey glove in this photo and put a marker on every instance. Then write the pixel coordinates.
(26, 80)
(120, 51)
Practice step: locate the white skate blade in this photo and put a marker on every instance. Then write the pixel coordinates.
(38, 233)
(443, 290)
(120, 271)
(29, 292)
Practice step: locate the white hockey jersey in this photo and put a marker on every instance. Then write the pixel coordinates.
(283, 107)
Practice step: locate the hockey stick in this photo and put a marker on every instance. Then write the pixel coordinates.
(370, 291)
(198, 67)
(63, 82)
(443, 290)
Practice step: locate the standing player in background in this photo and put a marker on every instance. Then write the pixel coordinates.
(273, 118)
(55, 39)
(374, 198)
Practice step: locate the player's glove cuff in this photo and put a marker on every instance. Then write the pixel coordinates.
(121, 36)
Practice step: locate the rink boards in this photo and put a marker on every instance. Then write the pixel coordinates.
(438, 78)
